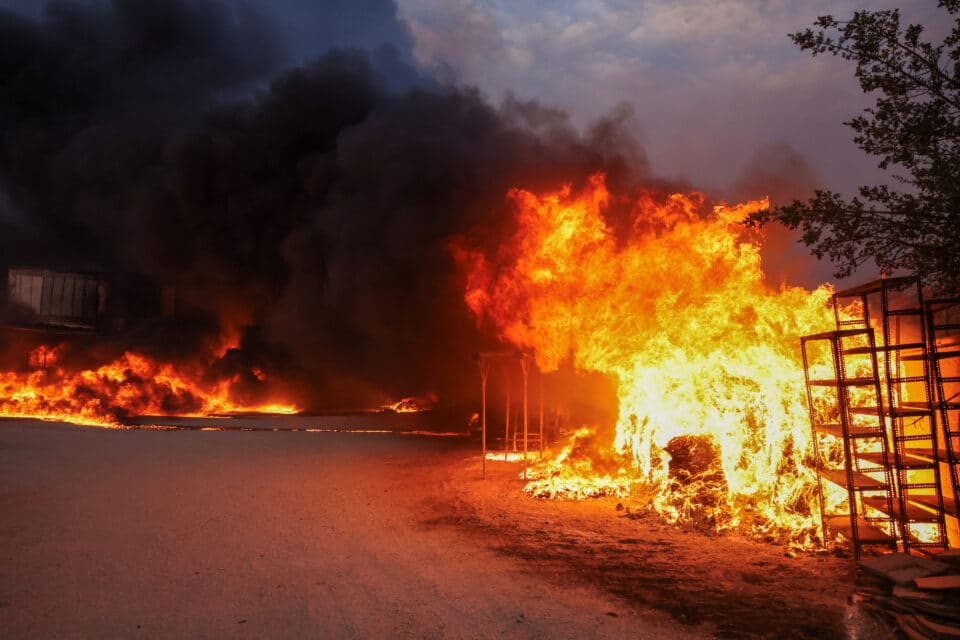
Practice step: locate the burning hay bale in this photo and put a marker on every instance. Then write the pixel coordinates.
(696, 487)
(695, 461)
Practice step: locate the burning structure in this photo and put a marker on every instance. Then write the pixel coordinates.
(713, 421)
(669, 301)
(45, 298)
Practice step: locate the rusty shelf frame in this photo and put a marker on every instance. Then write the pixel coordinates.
(866, 474)
(901, 317)
(942, 320)
(906, 407)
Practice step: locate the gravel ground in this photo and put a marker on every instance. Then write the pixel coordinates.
(206, 534)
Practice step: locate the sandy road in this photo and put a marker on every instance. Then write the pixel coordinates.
(287, 535)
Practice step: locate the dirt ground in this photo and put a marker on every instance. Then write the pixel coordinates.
(342, 535)
(721, 585)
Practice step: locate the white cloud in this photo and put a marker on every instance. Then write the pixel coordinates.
(711, 79)
(461, 35)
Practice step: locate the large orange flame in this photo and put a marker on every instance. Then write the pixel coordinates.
(132, 385)
(704, 354)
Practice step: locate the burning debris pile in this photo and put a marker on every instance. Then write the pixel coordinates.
(666, 296)
(412, 404)
(131, 385)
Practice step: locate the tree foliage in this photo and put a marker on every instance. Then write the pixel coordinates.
(913, 223)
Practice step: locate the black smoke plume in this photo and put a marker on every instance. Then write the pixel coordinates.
(311, 209)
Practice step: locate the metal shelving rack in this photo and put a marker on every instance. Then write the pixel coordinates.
(835, 399)
(942, 317)
(907, 402)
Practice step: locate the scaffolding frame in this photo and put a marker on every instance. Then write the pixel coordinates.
(865, 472)
(942, 319)
(907, 403)
(910, 409)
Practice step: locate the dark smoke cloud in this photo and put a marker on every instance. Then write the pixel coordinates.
(311, 28)
(778, 171)
(91, 94)
(316, 215)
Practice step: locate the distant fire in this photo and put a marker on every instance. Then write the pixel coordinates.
(131, 385)
(705, 356)
(412, 404)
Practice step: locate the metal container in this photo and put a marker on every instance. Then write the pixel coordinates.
(66, 299)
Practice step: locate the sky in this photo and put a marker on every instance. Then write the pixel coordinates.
(711, 82)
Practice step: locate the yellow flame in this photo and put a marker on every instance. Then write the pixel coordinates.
(676, 311)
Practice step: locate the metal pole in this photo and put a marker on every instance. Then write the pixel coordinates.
(540, 377)
(484, 371)
(525, 365)
(506, 434)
